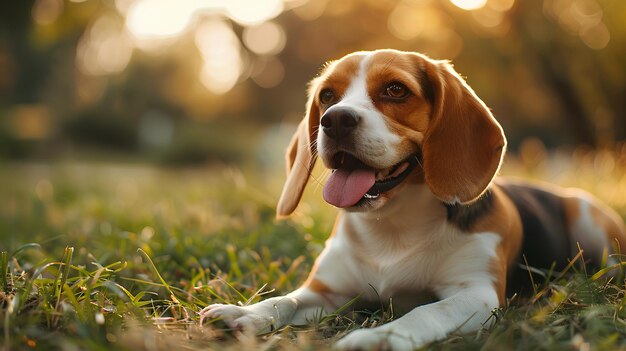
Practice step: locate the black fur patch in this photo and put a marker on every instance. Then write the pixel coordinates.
(464, 216)
(544, 225)
(545, 241)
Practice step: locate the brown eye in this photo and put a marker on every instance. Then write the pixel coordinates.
(327, 96)
(396, 90)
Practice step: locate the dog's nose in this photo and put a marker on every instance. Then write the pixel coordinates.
(339, 122)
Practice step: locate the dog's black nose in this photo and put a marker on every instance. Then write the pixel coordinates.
(339, 122)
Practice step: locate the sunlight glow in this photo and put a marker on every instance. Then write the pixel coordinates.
(501, 5)
(488, 18)
(251, 12)
(469, 4)
(155, 23)
(406, 21)
(157, 19)
(103, 48)
(220, 49)
(596, 37)
(123, 6)
(265, 39)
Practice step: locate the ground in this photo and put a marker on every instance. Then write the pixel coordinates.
(123, 256)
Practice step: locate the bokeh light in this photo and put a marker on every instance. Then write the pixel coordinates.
(220, 49)
(104, 48)
(488, 18)
(251, 12)
(469, 4)
(150, 21)
(407, 21)
(583, 18)
(596, 37)
(311, 10)
(209, 60)
(501, 5)
(265, 39)
(47, 11)
(30, 122)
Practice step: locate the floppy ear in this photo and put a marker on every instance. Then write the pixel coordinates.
(300, 159)
(464, 144)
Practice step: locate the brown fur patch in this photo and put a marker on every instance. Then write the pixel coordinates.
(464, 144)
(337, 77)
(318, 287)
(571, 205)
(300, 158)
(408, 118)
(504, 220)
(498, 268)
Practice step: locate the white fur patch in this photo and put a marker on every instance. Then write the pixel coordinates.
(454, 265)
(406, 247)
(592, 239)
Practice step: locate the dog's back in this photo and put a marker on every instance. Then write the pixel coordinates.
(556, 224)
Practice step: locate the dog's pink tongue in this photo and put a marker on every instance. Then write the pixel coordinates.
(348, 184)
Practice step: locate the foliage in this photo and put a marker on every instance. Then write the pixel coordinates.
(73, 74)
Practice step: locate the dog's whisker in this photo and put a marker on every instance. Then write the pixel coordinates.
(417, 159)
(319, 181)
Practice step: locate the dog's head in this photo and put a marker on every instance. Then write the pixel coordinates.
(386, 118)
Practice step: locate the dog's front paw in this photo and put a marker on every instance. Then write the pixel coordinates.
(377, 339)
(239, 318)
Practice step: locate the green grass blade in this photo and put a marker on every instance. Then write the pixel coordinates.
(234, 264)
(24, 247)
(605, 270)
(171, 288)
(63, 273)
(71, 297)
(156, 271)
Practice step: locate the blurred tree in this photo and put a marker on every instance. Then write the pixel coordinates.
(22, 67)
(93, 72)
(575, 72)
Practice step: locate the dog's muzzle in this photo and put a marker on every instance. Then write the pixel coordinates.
(353, 181)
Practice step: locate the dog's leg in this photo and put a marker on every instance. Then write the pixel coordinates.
(464, 311)
(466, 284)
(298, 308)
(313, 300)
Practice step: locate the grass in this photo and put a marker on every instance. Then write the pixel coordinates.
(98, 256)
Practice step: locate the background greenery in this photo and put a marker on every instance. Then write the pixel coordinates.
(136, 187)
(191, 81)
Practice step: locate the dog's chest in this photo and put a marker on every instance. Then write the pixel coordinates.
(388, 261)
(407, 270)
(408, 247)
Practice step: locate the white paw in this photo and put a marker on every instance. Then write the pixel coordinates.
(239, 318)
(377, 339)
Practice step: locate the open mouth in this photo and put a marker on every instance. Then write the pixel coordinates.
(353, 181)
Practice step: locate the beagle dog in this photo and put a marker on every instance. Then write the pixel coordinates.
(414, 153)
